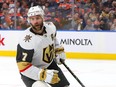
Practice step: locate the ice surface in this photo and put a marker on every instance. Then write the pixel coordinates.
(92, 73)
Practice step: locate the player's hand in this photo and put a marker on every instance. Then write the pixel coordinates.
(49, 76)
(60, 56)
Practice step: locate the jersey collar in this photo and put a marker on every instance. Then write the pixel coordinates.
(44, 31)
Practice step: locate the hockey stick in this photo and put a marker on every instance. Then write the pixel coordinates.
(72, 73)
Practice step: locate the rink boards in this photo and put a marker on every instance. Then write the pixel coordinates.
(81, 44)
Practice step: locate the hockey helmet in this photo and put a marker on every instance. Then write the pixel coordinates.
(35, 10)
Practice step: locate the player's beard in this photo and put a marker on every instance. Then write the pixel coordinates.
(38, 27)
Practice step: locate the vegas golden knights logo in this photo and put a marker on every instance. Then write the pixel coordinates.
(48, 53)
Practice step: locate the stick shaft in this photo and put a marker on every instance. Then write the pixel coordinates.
(72, 74)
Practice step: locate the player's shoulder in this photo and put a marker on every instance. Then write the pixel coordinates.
(50, 25)
(26, 32)
(26, 39)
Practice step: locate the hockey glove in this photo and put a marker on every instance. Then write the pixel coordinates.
(49, 76)
(60, 55)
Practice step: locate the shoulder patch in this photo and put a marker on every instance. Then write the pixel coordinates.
(27, 38)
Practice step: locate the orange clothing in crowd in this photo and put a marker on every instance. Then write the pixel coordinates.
(57, 1)
(7, 19)
(65, 5)
(80, 0)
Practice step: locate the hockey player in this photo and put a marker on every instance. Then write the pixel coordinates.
(38, 53)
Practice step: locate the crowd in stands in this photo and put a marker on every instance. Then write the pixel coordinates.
(65, 14)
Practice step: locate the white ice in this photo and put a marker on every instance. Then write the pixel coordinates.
(92, 73)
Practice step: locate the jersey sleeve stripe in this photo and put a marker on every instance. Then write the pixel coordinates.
(26, 68)
(23, 66)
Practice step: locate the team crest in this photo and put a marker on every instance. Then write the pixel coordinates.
(27, 38)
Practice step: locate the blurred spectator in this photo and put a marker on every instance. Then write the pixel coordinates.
(22, 23)
(108, 3)
(114, 4)
(113, 26)
(77, 22)
(65, 14)
(89, 25)
(104, 25)
(8, 24)
(93, 15)
(97, 25)
(65, 8)
(105, 14)
(4, 6)
(53, 3)
(1, 3)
